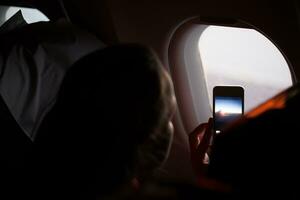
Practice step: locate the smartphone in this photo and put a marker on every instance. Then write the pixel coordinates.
(228, 105)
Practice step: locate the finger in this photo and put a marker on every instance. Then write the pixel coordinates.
(194, 136)
(204, 143)
(198, 129)
(209, 130)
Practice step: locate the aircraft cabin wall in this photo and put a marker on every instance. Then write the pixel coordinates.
(152, 22)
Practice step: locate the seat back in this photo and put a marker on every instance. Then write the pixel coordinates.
(259, 154)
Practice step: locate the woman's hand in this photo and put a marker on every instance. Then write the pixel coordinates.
(200, 140)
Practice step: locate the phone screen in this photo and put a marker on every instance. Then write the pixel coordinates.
(227, 109)
(228, 106)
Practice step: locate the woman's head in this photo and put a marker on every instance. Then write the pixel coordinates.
(113, 114)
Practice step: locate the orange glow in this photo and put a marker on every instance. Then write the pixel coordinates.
(222, 113)
(275, 103)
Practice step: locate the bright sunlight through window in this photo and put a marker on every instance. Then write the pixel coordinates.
(245, 57)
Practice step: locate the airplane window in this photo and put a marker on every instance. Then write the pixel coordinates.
(30, 15)
(203, 56)
(240, 56)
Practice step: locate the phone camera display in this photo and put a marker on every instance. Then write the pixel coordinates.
(227, 109)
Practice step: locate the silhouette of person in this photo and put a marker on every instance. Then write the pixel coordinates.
(33, 61)
(110, 125)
